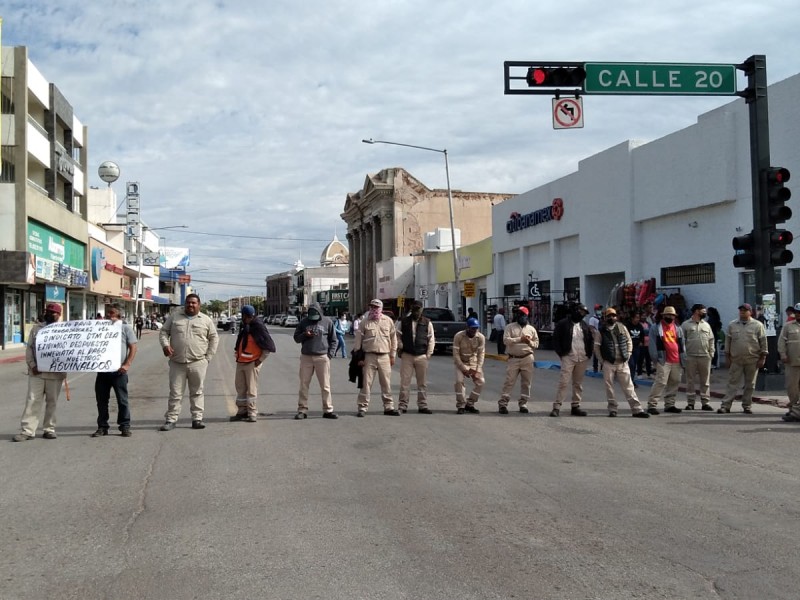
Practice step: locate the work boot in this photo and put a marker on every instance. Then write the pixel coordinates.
(250, 419)
(503, 410)
(577, 411)
(470, 408)
(125, 432)
(747, 410)
(613, 413)
(706, 407)
(641, 415)
(361, 414)
(460, 411)
(299, 416)
(555, 412)
(390, 412)
(788, 418)
(722, 410)
(653, 411)
(330, 415)
(238, 417)
(425, 411)
(689, 407)
(198, 424)
(672, 409)
(24, 437)
(168, 426)
(101, 431)
(524, 409)
(49, 435)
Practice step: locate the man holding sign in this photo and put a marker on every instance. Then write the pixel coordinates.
(116, 380)
(44, 388)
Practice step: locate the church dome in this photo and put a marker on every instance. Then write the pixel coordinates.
(335, 253)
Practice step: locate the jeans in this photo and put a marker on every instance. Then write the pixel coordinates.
(340, 345)
(103, 385)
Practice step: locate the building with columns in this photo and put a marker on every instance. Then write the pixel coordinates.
(387, 220)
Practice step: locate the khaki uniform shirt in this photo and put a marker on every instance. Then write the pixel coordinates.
(698, 338)
(469, 352)
(191, 338)
(789, 343)
(746, 342)
(514, 344)
(378, 336)
(431, 337)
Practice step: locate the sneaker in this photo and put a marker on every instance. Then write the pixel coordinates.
(613, 413)
(641, 415)
(425, 411)
(168, 426)
(460, 411)
(706, 407)
(524, 409)
(21, 437)
(49, 435)
(390, 412)
(503, 410)
(361, 414)
(577, 411)
(403, 411)
(747, 411)
(555, 412)
(672, 409)
(101, 431)
(470, 408)
(788, 418)
(125, 432)
(250, 419)
(723, 411)
(300, 416)
(238, 417)
(653, 411)
(330, 415)
(689, 407)
(198, 424)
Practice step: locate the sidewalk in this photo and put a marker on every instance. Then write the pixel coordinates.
(548, 359)
(12, 355)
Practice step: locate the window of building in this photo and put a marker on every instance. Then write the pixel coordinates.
(9, 172)
(687, 275)
(749, 281)
(572, 289)
(7, 94)
(512, 289)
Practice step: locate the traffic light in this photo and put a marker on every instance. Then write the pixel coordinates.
(778, 254)
(745, 257)
(778, 194)
(556, 77)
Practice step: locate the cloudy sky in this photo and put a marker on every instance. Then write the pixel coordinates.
(243, 120)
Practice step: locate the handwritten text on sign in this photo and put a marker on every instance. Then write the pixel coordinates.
(93, 346)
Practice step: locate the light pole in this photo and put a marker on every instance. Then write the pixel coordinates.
(456, 269)
(139, 259)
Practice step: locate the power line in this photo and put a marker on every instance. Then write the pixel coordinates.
(257, 237)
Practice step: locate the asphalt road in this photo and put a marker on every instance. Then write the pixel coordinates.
(436, 506)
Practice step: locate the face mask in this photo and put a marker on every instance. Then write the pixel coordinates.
(50, 318)
(576, 316)
(703, 315)
(668, 319)
(610, 321)
(416, 313)
(522, 320)
(471, 332)
(313, 315)
(375, 313)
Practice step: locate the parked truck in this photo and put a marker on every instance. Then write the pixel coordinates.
(445, 327)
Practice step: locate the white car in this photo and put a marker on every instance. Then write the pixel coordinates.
(291, 321)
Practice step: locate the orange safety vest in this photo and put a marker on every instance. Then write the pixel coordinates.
(250, 353)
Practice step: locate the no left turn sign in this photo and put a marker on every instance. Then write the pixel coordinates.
(567, 113)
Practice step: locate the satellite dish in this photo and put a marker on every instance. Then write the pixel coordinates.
(108, 172)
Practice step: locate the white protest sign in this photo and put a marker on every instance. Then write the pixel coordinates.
(93, 346)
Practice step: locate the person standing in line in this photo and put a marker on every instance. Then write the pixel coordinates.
(746, 353)
(377, 337)
(43, 388)
(574, 344)
(339, 331)
(317, 337)
(189, 339)
(668, 352)
(700, 347)
(469, 351)
(471, 314)
(594, 324)
(715, 322)
(415, 344)
(521, 339)
(117, 381)
(613, 344)
(499, 326)
(789, 350)
(139, 322)
(253, 345)
(636, 332)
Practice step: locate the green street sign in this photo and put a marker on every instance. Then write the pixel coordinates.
(660, 78)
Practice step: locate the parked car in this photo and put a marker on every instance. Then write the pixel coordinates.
(290, 321)
(223, 322)
(445, 326)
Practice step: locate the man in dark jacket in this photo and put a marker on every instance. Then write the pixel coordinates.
(317, 337)
(573, 342)
(253, 346)
(415, 344)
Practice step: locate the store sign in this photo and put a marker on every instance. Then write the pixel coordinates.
(61, 273)
(98, 263)
(518, 222)
(54, 246)
(55, 293)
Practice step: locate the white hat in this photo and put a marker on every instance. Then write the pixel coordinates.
(797, 306)
(376, 302)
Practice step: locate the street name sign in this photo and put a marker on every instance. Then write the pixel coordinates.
(660, 79)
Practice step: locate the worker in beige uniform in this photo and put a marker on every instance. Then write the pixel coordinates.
(521, 340)
(469, 350)
(43, 388)
(415, 344)
(789, 350)
(745, 352)
(700, 344)
(377, 338)
(189, 338)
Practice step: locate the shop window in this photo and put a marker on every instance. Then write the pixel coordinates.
(688, 275)
(512, 289)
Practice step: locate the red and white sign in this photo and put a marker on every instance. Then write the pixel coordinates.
(567, 113)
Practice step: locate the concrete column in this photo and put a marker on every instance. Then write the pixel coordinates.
(387, 234)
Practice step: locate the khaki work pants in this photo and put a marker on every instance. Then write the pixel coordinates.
(698, 374)
(181, 374)
(793, 388)
(738, 371)
(42, 396)
(572, 373)
(668, 378)
(380, 364)
(522, 368)
(477, 387)
(321, 365)
(622, 374)
(246, 382)
(418, 367)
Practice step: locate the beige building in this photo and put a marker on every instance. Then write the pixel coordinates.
(387, 222)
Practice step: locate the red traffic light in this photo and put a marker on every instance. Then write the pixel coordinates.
(781, 237)
(778, 175)
(556, 76)
(536, 76)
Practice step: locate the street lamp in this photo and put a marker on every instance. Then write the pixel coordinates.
(456, 269)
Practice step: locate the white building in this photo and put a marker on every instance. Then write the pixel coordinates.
(666, 209)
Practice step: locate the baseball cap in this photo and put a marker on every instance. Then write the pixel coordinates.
(745, 306)
(523, 310)
(248, 311)
(376, 302)
(53, 307)
(598, 306)
(797, 306)
(473, 322)
(696, 307)
(609, 311)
